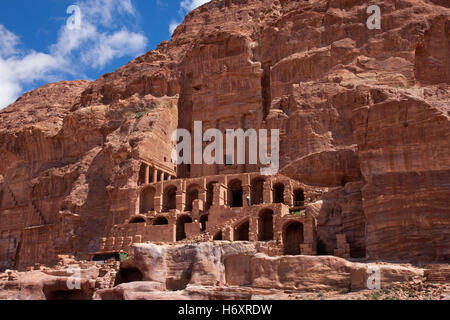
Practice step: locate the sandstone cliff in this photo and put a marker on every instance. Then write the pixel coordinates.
(362, 112)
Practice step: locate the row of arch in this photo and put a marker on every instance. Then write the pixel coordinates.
(181, 221)
(234, 197)
(292, 232)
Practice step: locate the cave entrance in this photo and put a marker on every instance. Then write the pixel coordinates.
(181, 221)
(299, 198)
(127, 275)
(292, 238)
(218, 236)
(241, 231)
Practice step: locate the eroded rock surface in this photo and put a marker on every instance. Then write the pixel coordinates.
(364, 117)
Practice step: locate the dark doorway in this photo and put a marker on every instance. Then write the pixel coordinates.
(299, 198)
(257, 189)
(126, 275)
(137, 220)
(181, 221)
(235, 193)
(265, 225)
(278, 193)
(292, 238)
(241, 231)
(218, 236)
(160, 221)
(170, 199)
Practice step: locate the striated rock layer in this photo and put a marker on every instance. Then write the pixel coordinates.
(223, 270)
(363, 113)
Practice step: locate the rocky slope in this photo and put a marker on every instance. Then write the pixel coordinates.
(222, 270)
(363, 112)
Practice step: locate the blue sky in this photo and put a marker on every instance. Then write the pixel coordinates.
(38, 46)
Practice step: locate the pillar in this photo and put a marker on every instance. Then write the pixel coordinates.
(267, 192)
(147, 174)
(155, 175)
(245, 193)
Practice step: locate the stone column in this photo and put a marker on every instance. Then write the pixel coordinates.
(147, 174)
(246, 193)
(181, 200)
(253, 228)
(155, 175)
(288, 195)
(161, 175)
(267, 192)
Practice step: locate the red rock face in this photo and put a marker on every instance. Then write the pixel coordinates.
(363, 114)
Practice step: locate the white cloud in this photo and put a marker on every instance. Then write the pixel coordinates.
(173, 25)
(97, 42)
(190, 5)
(185, 7)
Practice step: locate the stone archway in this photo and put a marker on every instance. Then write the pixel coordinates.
(265, 225)
(235, 193)
(160, 221)
(241, 231)
(137, 219)
(278, 193)
(257, 190)
(170, 198)
(181, 221)
(147, 200)
(292, 237)
(192, 193)
(218, 236)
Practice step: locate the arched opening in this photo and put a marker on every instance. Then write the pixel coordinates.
(209, 194)
(126, 275)
(181, 221)
(265, 225)
(203, 220)
(235, 193)
(241, 231)
(147, 200)
(218, 236)
(137, 220)
(170, 199)
(257, 189)
(299, 198)
(191, 195)
(278, 193)
(160, 221)
(292, 237)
